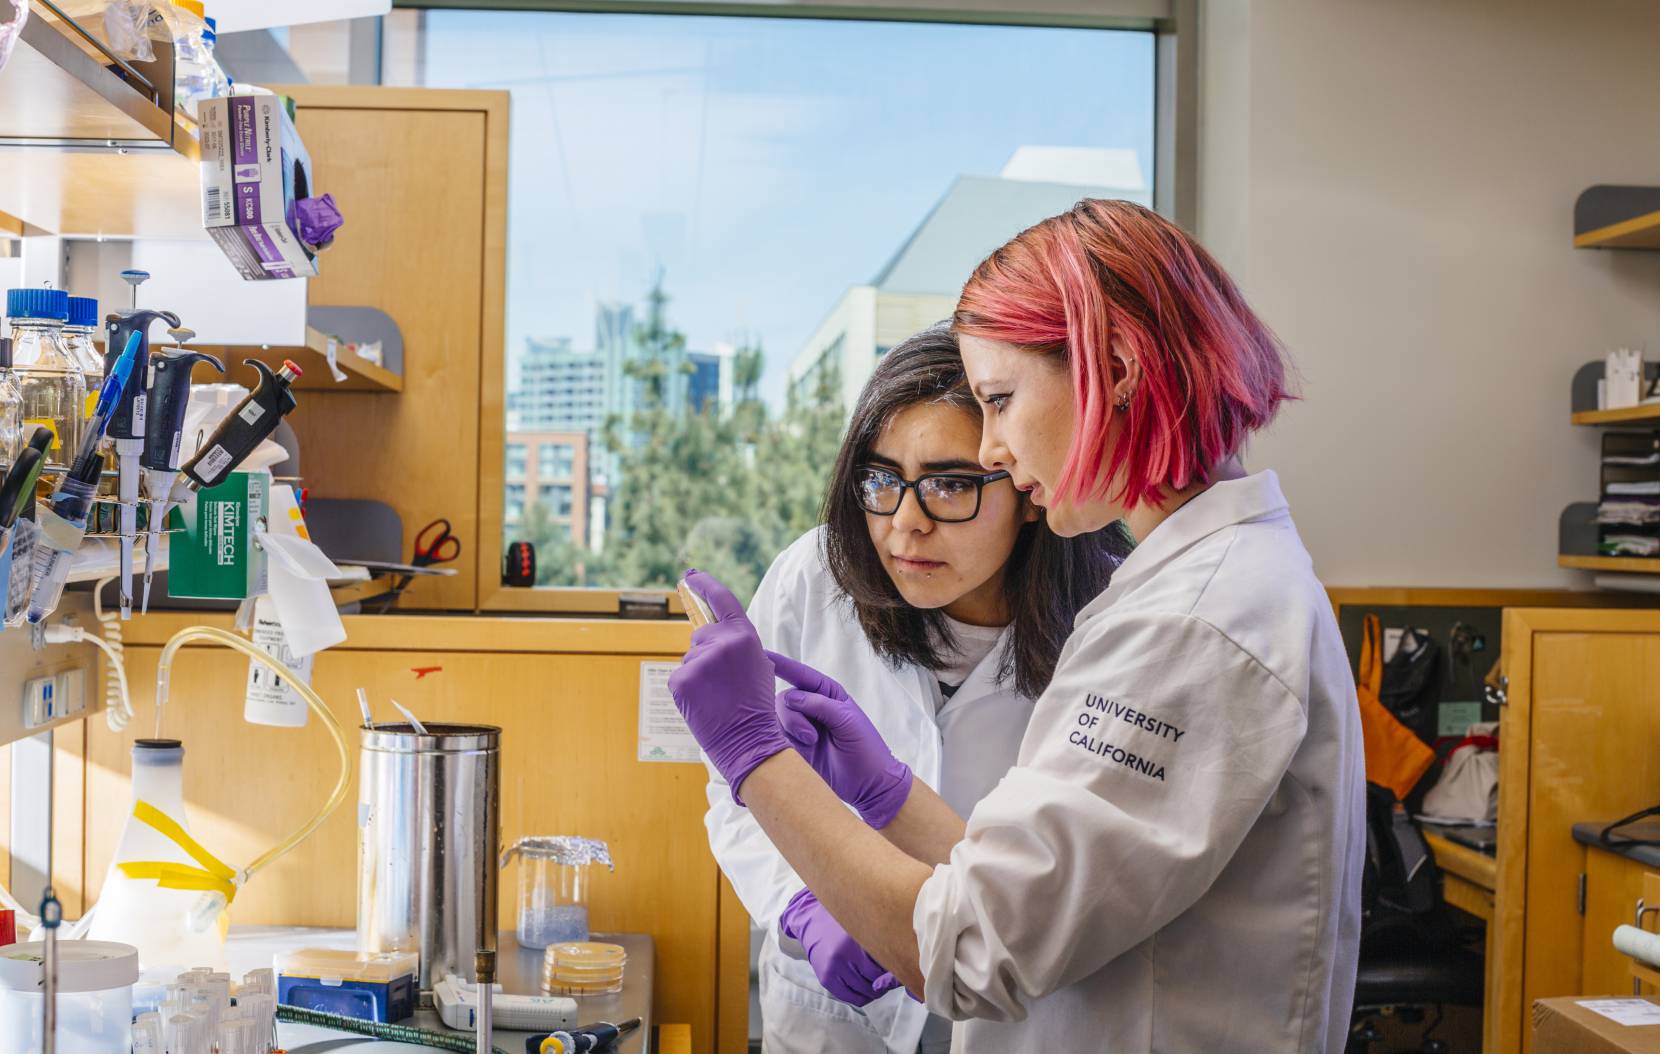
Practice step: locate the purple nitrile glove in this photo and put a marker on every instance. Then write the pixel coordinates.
(844, 969)
(316, 219)
(724, 688)
(838, 740)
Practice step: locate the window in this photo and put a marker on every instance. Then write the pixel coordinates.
(515, 462)
(556, 461)
(717, 225)
(556, 498)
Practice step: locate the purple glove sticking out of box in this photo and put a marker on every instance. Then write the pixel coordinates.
(315, 220)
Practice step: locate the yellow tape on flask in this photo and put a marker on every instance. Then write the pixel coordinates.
(213, 875)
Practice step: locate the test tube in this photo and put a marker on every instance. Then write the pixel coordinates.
(220, 983)
(178, 1033)
(175, 1000)
(204, 1003)
(262, 1011)
(231, 1032)
(147, 1035)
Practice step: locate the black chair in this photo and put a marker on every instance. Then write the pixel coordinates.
(1415, 958)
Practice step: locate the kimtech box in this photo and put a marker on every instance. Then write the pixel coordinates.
(254, 168)
(215, 556)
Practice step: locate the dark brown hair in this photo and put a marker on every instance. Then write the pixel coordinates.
(1046, 580)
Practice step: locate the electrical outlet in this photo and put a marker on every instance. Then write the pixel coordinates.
(46, 699)
(39, 694)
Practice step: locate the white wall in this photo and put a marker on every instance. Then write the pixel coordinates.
(1393, 183)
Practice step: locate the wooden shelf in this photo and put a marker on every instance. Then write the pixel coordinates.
(87, 147)
(1624, 415)
(361, 374)
(358, 592)
(61, 88)
(1627, 564)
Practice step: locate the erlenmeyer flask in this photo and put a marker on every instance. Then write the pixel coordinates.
(163, 924)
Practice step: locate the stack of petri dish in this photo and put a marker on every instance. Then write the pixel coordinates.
(583, 968)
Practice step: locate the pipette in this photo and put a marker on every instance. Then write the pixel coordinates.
(87, 462)
(169, 395)
(414, 722)
(245, 427)
(600, 1035)
(126, 427)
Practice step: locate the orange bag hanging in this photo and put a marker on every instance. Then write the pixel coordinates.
(1395, 758)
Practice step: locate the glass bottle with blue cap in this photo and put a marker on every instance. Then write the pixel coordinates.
(79, 334)
(51, 383)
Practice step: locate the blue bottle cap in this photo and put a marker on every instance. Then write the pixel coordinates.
(83, 311)
(37, 303)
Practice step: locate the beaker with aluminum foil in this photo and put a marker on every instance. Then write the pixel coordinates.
(429, 822)
(554, 876)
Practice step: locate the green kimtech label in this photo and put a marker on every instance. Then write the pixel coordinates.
(214, 556)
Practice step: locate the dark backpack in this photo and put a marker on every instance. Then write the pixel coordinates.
(1400, 893)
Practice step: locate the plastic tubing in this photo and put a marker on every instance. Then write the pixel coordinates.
(164, 669)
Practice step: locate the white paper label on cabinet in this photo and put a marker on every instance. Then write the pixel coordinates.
(663, 732)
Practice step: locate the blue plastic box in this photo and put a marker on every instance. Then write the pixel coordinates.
(367, 986)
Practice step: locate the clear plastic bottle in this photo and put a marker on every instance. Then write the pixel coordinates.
(48, 378)
(192, 59)
(221, 80)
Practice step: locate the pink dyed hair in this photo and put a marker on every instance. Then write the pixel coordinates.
(1212, 372)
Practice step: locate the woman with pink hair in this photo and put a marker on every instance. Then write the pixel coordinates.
(1174, 861)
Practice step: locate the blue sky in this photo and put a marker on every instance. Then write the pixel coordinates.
(764, 164)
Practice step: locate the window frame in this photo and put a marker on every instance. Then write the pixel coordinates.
(1174, 24)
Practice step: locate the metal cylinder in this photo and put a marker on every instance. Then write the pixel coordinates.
(429, 826)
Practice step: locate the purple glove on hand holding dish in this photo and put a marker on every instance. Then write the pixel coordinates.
(724, 690)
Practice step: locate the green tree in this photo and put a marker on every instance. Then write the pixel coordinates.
(724, 489)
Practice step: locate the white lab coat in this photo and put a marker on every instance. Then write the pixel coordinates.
(1174, 863)
(799, 612)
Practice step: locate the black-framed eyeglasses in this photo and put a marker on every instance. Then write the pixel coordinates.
(944, 497)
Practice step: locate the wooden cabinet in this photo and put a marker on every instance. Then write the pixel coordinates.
(566, 696)
(421, 179)
(1613, 885)
(1578, 742)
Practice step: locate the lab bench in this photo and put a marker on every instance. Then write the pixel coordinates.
(520, 972)
(1620, 885)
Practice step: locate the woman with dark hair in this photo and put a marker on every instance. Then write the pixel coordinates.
(1173, 862)
(931, 591)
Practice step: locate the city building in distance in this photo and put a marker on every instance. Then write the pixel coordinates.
(921, 281)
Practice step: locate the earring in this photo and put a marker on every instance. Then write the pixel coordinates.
(1123, 403)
